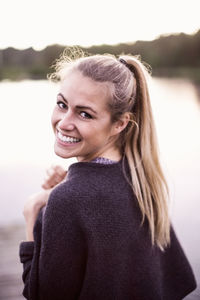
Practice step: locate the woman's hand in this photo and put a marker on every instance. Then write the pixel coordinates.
(55, 175)
(31, 209)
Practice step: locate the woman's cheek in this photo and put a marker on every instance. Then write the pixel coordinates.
(54, 118)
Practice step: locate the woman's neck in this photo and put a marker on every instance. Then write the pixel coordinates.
(111, 154)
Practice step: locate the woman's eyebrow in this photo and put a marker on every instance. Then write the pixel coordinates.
(79, 106)
(86, 107)
(60, 94)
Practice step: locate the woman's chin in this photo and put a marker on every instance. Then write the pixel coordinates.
(61, 153)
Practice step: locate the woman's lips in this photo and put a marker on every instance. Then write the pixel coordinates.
(67, 139)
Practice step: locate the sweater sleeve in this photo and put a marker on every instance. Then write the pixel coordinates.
(54, 264)
(63, 251)
(26, 255)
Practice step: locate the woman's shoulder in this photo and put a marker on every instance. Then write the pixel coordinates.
(90, 182)
(87, 168)
(95, 172)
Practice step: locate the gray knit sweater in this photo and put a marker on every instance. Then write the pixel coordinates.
(90, 244)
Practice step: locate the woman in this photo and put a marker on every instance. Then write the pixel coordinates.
(104, 232)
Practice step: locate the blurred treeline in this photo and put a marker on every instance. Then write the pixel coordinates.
(174, 55)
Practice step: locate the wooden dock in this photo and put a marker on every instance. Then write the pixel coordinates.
(11, 284)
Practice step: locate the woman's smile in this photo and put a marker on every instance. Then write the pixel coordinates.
(67, 139)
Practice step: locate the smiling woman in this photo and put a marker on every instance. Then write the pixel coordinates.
(104, 232)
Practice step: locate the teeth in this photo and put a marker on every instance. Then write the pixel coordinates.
(67, 139)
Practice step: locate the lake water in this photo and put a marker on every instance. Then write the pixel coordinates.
(27, 149)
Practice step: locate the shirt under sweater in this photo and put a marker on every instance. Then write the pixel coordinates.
(90, 244)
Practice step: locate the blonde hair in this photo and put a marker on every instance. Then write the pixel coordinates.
(138, 142)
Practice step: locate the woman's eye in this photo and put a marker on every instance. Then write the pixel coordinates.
(85, 115)
(61, 105)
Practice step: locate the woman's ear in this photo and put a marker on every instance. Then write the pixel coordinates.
(121, 124)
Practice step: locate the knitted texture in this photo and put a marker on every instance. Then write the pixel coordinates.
(90, 244)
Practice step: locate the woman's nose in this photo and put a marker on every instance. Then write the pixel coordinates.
(67, 123)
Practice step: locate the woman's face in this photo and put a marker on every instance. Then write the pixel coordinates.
(81, 120)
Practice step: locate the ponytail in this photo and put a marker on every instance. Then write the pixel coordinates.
(141, 150)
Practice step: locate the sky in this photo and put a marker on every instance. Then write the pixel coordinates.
(38, 23)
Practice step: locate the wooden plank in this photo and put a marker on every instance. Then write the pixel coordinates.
(11, 285)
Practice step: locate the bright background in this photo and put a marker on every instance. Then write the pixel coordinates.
(38, 23)
(25, 108)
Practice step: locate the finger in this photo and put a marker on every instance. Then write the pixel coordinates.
(52, 181)
(59, 170)
(55, 174)
(46, 186)
(51, 171)
(49, 183)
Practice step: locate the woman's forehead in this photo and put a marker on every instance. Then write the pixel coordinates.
(75, 83)
(81, 90)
